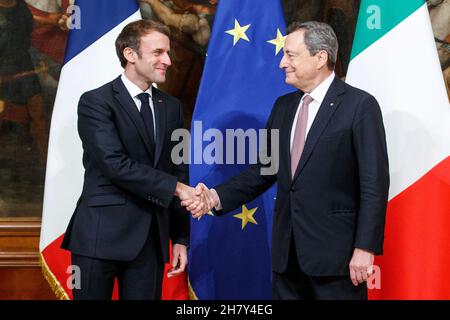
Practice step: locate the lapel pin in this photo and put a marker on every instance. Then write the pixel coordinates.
(331, 104)
(160, 101)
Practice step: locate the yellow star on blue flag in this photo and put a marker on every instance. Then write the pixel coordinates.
(238, 32)
(246, 216)
(208, 213)
(278, 42)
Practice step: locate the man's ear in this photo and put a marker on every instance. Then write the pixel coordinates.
(322, 57)
(129, 54)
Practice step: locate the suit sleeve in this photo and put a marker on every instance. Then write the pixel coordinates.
(371, 152)
(179, 216)
(103, 146)
(249, 184)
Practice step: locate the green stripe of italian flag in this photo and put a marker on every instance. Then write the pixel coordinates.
(394, 58)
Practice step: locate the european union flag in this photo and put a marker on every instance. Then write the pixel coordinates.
(230, 255)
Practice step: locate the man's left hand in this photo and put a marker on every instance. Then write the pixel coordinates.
(179, 260)
(361, 266)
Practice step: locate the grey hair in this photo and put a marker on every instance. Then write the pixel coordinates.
(318, 36)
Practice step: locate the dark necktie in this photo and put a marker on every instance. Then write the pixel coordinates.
(300, 134)
(147, 116)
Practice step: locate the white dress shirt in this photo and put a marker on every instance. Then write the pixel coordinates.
(134, 90)
(318, 94)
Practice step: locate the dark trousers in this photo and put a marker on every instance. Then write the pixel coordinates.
(294, 284)
(139, 279)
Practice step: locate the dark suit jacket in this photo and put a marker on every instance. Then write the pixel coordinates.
(337, 198)
(127, 184)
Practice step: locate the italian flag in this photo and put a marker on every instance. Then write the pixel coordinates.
(394, 58)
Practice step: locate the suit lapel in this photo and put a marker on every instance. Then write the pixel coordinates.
(285, 137)
(329, 105)
(159, 105)
(127, 103)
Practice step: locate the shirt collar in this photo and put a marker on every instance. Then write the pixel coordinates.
(318, 94)
(133, 89)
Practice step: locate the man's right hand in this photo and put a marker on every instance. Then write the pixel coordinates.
(197, 200)
(209, 198)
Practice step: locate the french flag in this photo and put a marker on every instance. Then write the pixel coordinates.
(90, 61)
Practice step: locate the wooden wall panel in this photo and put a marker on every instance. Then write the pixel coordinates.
(20, 273)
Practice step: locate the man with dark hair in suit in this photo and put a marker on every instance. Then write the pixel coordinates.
(333, 176)
(127, 210)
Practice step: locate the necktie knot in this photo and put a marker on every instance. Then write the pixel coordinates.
(144, 96)
(307, 100)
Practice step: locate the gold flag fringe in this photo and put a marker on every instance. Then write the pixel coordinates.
(54, 284)
(192, 295)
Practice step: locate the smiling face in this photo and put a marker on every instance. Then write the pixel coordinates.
(150, 65)
(302, 69)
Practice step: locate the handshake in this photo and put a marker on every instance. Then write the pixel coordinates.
(199, 200)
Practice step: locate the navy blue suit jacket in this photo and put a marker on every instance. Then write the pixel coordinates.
(127, 184)
(336, 200)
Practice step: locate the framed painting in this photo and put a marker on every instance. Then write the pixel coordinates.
(32, 43)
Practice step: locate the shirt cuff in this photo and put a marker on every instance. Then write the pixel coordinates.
(216, 196)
